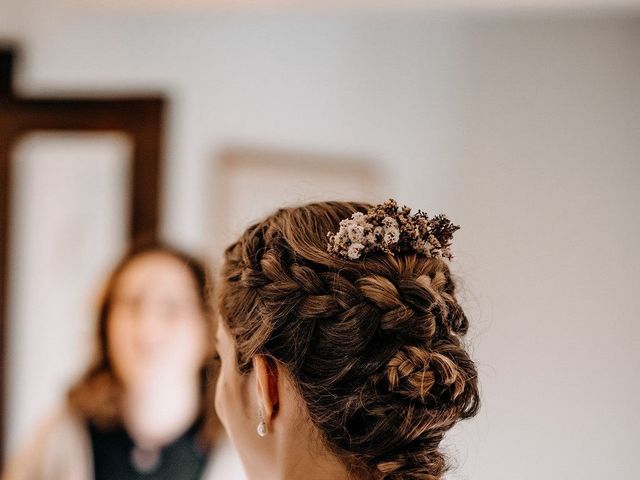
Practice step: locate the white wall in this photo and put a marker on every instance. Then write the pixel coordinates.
(524, 129)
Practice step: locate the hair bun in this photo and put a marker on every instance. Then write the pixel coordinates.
(415, 372)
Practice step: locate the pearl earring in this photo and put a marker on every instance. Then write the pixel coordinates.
(262, 427)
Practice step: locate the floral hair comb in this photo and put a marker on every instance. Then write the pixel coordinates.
(391, 229)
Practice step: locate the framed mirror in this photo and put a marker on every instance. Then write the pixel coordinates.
(84, 174)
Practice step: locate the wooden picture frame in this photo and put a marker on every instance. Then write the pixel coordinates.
(251, 182)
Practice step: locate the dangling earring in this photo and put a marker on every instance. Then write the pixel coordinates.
(262, 427)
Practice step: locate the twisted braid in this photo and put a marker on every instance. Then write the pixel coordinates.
(374, 346)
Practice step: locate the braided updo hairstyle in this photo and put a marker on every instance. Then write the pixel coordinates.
(373, 345)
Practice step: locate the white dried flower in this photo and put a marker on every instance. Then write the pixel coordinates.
(355, 233)
(422, 246)
(391, 235)
(389, 222)
(434, 242)
(355, 250)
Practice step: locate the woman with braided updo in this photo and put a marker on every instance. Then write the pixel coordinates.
(341, 344)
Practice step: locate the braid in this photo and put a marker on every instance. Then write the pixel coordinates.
(374, 346)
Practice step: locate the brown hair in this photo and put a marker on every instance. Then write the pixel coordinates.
(373, 345)
(96, 395)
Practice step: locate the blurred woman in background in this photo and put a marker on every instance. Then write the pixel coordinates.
(143, 407)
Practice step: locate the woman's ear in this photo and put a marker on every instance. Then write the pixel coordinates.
(266, 386)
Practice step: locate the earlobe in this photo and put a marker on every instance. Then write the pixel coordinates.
(266, 386)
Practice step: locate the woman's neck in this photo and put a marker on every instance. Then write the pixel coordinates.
(156, 413)
(316, 470)
(302, 456)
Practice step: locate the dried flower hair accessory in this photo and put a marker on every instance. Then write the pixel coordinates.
(389, 228)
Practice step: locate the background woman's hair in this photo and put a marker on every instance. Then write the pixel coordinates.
(96, 395)
(373, 345)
